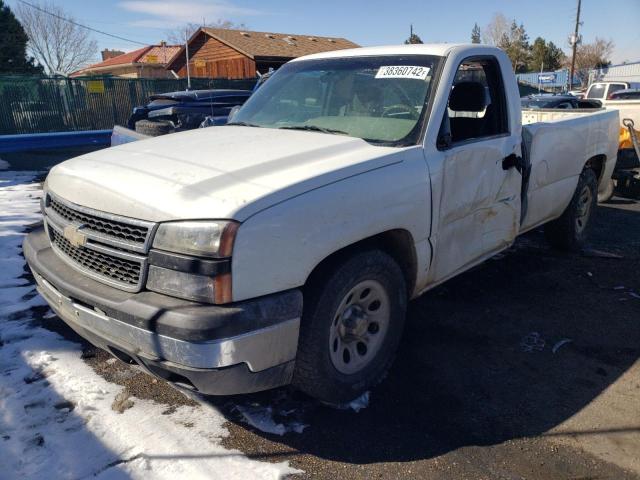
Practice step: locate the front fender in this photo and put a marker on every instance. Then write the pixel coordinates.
(277, 248)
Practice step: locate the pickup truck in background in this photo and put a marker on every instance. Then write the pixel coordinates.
(284, 247)
(605, 90)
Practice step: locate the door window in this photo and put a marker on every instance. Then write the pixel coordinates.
(477, 106)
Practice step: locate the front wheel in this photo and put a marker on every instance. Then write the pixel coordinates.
(351, 327)
(569, 231)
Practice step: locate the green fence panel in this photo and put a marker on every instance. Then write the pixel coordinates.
(37, 104)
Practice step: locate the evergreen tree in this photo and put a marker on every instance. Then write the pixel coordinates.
(413, 38)
(516, 44)
(545, 56)
(13, 45)
(475, 34)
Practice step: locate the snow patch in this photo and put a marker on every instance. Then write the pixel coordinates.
(359, 403)
(264, 419)
(56, 419)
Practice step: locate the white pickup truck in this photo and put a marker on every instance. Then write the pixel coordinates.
(283, 248)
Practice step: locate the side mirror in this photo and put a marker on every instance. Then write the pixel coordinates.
(232, 113)
(444, 141)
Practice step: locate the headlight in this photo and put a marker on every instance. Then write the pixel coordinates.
(200, 238)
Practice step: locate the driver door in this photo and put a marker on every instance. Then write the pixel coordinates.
(480, 194)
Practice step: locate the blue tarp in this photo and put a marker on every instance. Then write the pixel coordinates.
(48, 141)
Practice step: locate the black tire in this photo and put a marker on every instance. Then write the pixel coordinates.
(154, 128)
(608, 193)
(315, 373)
(628, 184)
(570, 231)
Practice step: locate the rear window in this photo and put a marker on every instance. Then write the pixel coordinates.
(596, 91)
(162, 102)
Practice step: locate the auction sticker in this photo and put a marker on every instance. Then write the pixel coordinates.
(403, 71)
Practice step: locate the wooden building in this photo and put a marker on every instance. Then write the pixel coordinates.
(222, 53)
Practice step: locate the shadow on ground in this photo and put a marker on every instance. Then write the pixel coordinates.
(477, 363)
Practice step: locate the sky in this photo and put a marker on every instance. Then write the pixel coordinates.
(373, 22)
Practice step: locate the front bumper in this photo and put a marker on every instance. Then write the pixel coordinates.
(216, 350)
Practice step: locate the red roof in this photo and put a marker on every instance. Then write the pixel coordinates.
(162, 54)
(131, 57)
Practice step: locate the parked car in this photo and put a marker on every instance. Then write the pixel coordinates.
(284, 247)
(210, 121)
(627, 94)
(557, 101)
(604, 90)
(184, 110)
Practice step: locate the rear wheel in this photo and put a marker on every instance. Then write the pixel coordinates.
(569, 232)
(351, 327)
(154, 128)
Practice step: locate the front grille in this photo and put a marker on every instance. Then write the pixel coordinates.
(105, 226)
(119, 270)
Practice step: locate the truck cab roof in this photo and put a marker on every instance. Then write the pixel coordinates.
(436, 49)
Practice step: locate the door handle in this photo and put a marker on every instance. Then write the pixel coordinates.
(512, 160)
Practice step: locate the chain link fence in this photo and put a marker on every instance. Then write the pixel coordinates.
(36, 104)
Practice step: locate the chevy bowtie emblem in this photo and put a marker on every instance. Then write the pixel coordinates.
(74, 236)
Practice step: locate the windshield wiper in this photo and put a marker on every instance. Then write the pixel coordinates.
(244, 124)
(314, 128)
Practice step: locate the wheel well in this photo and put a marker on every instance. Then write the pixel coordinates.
(396, 243)
(596, 164)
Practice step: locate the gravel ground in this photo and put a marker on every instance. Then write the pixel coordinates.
(525, 367)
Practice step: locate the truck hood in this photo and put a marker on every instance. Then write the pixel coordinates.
(215, 173)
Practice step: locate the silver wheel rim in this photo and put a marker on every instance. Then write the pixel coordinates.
(359, 327)
(584, 209)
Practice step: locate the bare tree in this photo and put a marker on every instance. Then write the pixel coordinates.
(59, 45)
(495, 31)
(592, 55)
(177, 36)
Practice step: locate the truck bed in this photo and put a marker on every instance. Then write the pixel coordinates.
(627, 108)
(557, 143)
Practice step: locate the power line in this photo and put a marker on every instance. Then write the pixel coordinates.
(81, 25)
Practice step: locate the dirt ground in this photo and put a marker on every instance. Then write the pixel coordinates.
(525, 367)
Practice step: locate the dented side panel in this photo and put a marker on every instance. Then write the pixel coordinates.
(479, 205)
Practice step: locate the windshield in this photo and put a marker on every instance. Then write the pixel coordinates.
(379, 99)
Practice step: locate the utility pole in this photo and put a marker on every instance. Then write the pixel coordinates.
(574, 42)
